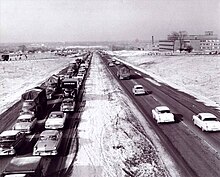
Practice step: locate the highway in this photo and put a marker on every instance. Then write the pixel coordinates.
(196, 153)
(53, 166)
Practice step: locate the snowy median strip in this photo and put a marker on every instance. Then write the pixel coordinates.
(112, 140)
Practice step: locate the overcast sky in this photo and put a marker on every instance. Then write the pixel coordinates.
(104, 20)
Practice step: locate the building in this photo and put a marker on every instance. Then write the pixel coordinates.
(207, 42)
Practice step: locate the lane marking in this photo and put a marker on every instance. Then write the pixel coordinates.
(203, 140)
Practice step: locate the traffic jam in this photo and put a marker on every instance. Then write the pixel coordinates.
(43, 116)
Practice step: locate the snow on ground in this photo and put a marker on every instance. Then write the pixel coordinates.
(197, 75)
(18, 76)
(112, 143)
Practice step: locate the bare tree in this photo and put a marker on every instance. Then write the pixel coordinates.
(181, 35)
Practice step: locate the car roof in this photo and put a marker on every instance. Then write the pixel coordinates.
(162, 108)
(56, 112)
(138, 85)
(207, 115)
(9, 133)
(25, 116)
(49, 132)
(67, 99)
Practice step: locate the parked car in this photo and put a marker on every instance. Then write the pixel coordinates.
(206, 121)
(138, 90)
(162, 114)
(10, 141)
(56, 120)
(68, 105)
(25, 123)
(48, 143)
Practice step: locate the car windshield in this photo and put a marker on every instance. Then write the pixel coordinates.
(139, 87)
(67, 102)
(54, 137)
(164, 111)
(23, 120)
(56, 116)
(210, 119)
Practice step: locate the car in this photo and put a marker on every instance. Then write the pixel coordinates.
(68, 105)
(162, 114)
(25, 123)
(110, 64)
(68, 93)
(206, 121)
(138, 90)
(48, 143)
(11, 141)
(55, 120)
(117, 62)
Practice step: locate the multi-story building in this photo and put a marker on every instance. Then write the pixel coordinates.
(208, 42)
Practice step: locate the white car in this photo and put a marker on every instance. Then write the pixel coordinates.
(117, 62)
(206, 121)
(56, 120)
(110, 64)
(25, 123)
(138, 90)
(68, 105)
(48, 143)
(162, 114)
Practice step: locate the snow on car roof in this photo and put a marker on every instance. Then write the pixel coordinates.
(207, 115)
(25, 116)
(56, 113)
(162, 108)
(138, 86)
(49, 132)
(9, 133)
(23, 163)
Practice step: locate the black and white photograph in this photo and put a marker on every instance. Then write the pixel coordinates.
(109, 88)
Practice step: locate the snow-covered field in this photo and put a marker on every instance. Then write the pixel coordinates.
(18, 76)
(112, 141)
(198, 75)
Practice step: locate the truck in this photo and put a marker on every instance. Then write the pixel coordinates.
(53, 85)
(123, 72)
(24, 166)
(70, 87)
(35, 101)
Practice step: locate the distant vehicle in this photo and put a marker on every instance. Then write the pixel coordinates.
(206, 121)
(111, 64)
(10, 141)
(56, 120)
(24, 166)
(35, 100)
(162, 114)
(117, 62)
(48, 143)
(113, 60)
(138, 90)
(68, 105)
(123, 72)
(53, 85)
(25, 123)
